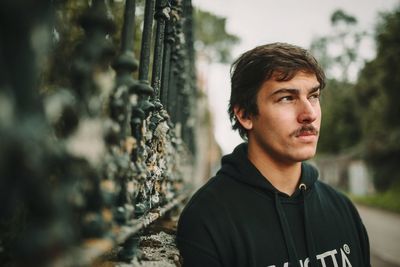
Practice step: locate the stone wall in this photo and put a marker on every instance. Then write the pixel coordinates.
(346, 172)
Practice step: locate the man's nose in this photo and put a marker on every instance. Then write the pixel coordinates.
(307, 111)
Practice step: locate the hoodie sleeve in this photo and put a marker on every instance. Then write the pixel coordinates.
(362, 233)
(364, 240)
(195, 244)
(194, 255)
(365, 244)
(196, 234)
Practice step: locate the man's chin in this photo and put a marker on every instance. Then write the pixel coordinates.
(305, 155)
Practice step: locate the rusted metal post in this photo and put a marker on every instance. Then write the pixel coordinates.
(161, 15)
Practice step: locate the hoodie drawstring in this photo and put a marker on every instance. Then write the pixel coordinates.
(293, 259)
(309, 235)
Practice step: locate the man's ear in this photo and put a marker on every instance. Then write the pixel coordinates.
(244, 119)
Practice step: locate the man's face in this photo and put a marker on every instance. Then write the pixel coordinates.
(287, 125)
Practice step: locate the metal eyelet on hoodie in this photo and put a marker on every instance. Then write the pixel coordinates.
(303, 187)
(309, 236)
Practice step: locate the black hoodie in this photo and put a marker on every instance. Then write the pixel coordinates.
(239, 219)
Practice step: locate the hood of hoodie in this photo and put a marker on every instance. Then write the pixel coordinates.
(237, 166)
(241, 226)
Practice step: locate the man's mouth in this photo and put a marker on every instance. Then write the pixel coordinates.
(307, 133)
(307, 130)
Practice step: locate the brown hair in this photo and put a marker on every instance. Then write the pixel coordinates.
(254, 67)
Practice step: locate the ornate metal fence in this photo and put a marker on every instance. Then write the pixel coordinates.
(84, 168)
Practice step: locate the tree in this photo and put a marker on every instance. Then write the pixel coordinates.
(378, 92)
(211, 36)
(67, 34)
(340, 128)
(337, 54)
(338, 51)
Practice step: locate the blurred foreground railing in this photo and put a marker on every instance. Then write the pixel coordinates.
(84, 168)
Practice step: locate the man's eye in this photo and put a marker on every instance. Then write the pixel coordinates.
(315, 96)
(285, 99)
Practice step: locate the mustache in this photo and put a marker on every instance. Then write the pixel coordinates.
(305, 128)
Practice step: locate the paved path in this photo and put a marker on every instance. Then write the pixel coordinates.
(384, 236)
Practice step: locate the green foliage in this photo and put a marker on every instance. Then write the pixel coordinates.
(367, 114)
(388, 200)
(212, 39)
(319, 48)
(210, 35)
(68, 34)
(341, 16)
(337, 52)
(340, 128)
(378, 91)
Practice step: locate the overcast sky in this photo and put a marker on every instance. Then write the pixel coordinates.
(261, 21)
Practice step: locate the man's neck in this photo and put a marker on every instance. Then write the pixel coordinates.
(284, 176)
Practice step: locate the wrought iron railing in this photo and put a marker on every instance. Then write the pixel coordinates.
(85, 168)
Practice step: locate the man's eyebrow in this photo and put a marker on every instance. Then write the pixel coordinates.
(285, 91)
(314, 89)
(295, 91)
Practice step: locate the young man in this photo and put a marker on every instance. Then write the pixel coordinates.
(265, 206)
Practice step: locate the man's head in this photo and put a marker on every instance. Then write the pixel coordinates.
(277, 61)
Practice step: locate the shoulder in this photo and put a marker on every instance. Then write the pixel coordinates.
(336, 203)
(219, 190)
(212, 206)
(206, 199)
(203, 219)
(331, 193)
(336, 198)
